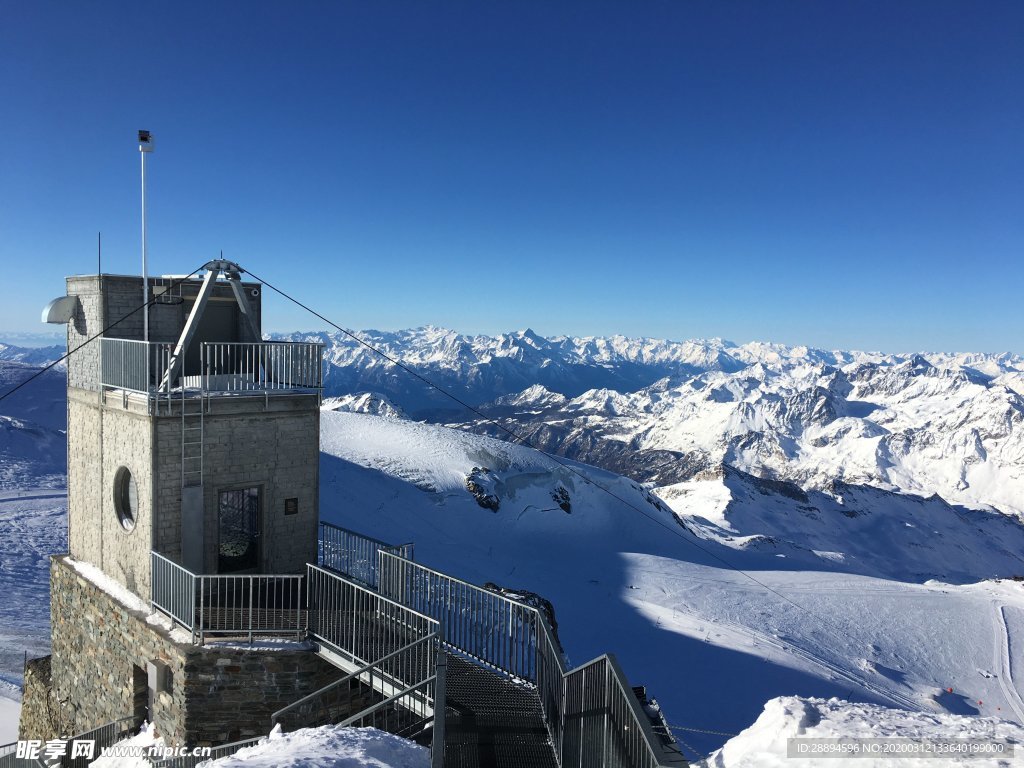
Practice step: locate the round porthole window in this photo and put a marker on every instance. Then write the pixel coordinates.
(126, 498)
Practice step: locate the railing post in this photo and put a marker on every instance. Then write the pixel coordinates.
(202, 608)
(440, 695)
(606, 705)
(309, 598)
(252, 587)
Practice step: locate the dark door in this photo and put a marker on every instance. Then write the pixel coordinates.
(238, 523)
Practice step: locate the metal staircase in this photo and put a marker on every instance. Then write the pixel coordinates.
(491, 722)
(477, 674)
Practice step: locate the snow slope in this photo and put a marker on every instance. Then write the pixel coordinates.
(33, 514)
(857, 529)
(764, 744)
(33, 446)
(33, 525)
(327, 747)
(10, 711)
(712, 643)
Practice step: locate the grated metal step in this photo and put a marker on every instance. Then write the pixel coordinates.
(491, 722)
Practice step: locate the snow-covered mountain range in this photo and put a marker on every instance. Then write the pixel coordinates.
(664, 412)
(851, 583)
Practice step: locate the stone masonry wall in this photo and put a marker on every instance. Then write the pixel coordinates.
(218, 693)
(85, 502)
(38, 719)
(88, 320)
(248, 442)
(101, 440)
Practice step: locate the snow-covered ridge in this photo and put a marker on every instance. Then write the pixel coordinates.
(764, 744)
(31, 355)
(364, 402)
(941, 423)
(909, 426)
(444, 348)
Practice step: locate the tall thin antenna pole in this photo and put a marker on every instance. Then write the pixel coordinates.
(145, 147)
(99, 253)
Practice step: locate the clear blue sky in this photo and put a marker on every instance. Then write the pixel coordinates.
(840, 174)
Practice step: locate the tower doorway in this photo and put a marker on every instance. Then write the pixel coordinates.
(238, 530)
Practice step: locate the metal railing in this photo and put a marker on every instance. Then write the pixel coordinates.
(267, 365)
(550, 681)
(102, 737)
(396, 649)
(354, 554)
(134, 366)
(602, 722)
(592, 716)
(386, 679)
(359, 624)
(238, 606)
(138, 366)
(489, 627)
(9, 758)
(401, 713)
(173, 590)
(250, 605)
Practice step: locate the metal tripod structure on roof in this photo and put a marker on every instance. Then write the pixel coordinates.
(232, 273)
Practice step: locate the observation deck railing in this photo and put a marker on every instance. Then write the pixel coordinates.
(247, 605)
(267, 367)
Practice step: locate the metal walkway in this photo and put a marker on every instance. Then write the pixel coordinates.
(477, 673)
(491, 722)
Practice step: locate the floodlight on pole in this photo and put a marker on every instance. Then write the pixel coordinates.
(145, 147)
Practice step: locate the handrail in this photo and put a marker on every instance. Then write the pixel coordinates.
(440, 709)
(102, 736)
(140, 366)
(485, 625)
(359, 717)
(377, 595)
(132, 365)
(250, 604)
(353, 553)
(172, 589)
(356, 623)
(227, 604)
(618, 677)
(551, 683)
(229, 366)
(526, 648)
(463, 582)
(9, 758)
(503, 633)
(347, 678)
(335, 526)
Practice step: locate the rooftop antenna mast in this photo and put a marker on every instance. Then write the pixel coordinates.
(145, 147)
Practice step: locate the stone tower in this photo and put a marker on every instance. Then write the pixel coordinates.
(216, 469)
(192, 462)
